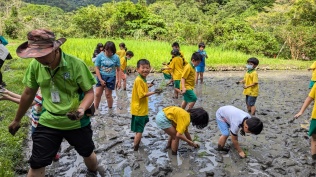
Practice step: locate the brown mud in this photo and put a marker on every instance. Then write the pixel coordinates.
(282, 149)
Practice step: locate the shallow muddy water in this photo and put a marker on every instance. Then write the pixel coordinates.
(282, 149)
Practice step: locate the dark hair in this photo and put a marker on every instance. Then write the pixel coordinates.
(123, 45)
(199, 117)
(175, 44)
(175, 52)
(253, 60)
(109, 45)
(255, 125)
(201, 44)
(142, 62)
(98, 46)
(196, 56)
(130, 53)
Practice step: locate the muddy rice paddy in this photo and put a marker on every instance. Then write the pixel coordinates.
(282, 149)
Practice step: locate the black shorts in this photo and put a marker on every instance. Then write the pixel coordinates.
(46, 143)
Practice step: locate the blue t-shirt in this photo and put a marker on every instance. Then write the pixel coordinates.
(203, 53)
(107, 64)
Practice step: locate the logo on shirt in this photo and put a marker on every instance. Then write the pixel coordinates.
(66, 75)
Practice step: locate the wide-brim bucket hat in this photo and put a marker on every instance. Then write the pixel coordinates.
(40, 42)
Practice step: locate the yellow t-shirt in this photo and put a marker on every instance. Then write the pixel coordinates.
(123, 63)
(121, 53)
(251, 78)
(139, 102)
(166, 70)
(189, 76)
(176, 66)
(178, 116)
(312, 94)
(313, 66)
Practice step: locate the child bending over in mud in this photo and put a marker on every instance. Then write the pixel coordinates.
(312, 128)
(251, 85)
(175, 122)
(139, 102)
(229, 120)
(188, 81)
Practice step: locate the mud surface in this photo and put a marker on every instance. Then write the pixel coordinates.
(282, 149)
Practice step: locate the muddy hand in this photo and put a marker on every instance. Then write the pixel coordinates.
(242, 154)
(237, 82)
(14, 127)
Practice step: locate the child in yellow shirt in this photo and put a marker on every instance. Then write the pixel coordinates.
(313, 79)
(122, 51)
(123, 61)
(251, 85)
(139, 102)
(176, 66)
(188, 81)
(312, 128)
(175, 122)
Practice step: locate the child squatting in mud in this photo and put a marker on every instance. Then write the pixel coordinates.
(175, 122)
(229, 120)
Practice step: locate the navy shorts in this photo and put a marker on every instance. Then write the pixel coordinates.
(250, 100)
(110, 82)
(46, 143)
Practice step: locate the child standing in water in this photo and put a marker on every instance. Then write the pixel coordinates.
(123, 61)
(175, 122)
(229, 120)
(122, 51)
(312, 128)
(176, 66)
(139, 101)
(188, 81)
(251, 84)
(107, 67)
(201, 67)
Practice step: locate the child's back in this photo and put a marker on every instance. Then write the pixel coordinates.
(177, 67)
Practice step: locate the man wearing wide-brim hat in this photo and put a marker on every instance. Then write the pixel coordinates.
(62, 79)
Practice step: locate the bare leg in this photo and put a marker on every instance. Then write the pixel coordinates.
(201, 77)
(109, 98)
(40, 172)
(124, 84)
(174, 140)
(313, 144)
(221, 143)
(138, 137)
(91, 162)
(196, 77)
(97, 97)
(253, 110)
(184, 104)
(191, 105)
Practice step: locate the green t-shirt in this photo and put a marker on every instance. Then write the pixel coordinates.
(71, 76)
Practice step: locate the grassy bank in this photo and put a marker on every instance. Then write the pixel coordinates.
(156, 52)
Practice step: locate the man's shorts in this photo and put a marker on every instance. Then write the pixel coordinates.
(138, 123)
(250, 100)
(312, 127)
(167, 76)
(189, 96)
(176, 84)
(311, 84)
(122, 74)
(46, 143)
(110, 82)
(199, 69)
(162, 121)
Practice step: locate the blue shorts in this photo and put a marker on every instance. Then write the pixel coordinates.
(110, 82)
(199, 69)
(223, 127)
(162, 121)
(311, 84)
(250, 100)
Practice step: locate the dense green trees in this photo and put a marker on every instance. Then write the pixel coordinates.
(274, 28)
